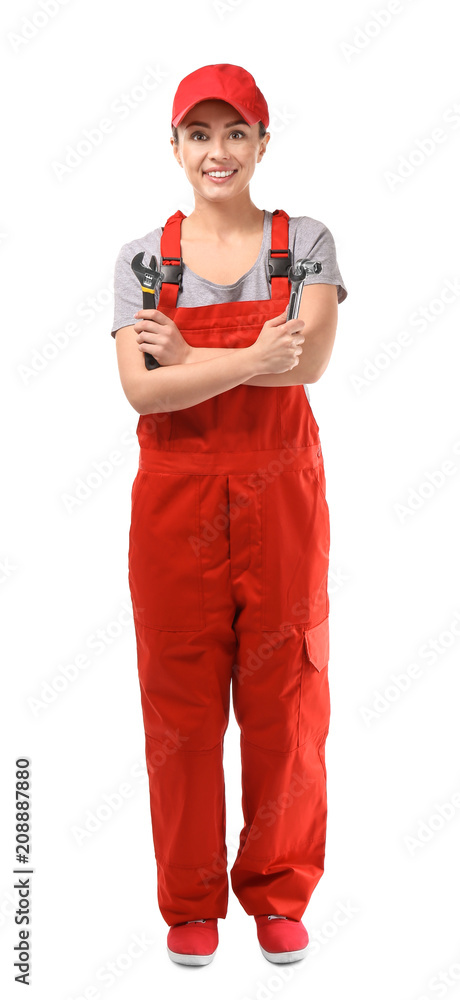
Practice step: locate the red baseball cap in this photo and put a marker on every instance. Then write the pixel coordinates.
(222, 82)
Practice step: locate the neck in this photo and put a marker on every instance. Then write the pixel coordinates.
(216, 220)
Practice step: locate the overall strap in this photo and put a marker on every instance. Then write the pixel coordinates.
(171, 261)
(279, 255)
(279, 258)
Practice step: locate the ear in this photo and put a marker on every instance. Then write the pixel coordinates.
(263, 147)
(175, 151)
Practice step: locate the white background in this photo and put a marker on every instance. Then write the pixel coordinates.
(354, 90)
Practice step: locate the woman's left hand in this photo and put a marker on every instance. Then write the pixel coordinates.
(159, 336)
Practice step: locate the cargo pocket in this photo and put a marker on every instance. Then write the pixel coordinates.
(317, 644)
(315, 705)
(164, 565)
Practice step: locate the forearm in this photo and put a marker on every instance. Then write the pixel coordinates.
(280, 378)
(206, 353)
(175, 387)
(291, 377)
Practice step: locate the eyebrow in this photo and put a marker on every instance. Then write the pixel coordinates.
(205, 125)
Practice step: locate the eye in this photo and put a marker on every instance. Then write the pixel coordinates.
(194, 134)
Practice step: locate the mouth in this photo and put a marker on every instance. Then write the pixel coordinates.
(220, 180)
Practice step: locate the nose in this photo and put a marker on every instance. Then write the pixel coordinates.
(217, 148)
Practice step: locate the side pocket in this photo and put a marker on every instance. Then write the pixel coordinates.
(317, 644)
(315, 704)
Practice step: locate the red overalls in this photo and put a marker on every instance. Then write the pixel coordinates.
(228, 563)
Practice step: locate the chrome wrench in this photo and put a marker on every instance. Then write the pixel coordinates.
(297, 274)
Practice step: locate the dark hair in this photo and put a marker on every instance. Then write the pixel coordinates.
(262, 132)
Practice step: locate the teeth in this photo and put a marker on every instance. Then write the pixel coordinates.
(220, 173)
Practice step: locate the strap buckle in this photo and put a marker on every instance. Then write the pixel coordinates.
(278, 267)
(172, 273)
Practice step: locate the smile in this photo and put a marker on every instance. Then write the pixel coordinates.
(220, 176)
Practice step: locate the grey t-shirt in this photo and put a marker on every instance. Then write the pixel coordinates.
(307, 238)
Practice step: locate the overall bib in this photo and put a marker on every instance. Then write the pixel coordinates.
(228, 563)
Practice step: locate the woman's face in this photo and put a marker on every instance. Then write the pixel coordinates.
(218, 144)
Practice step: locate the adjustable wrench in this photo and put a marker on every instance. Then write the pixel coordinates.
(149, 278)
(297, 274)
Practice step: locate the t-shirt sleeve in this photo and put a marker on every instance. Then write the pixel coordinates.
(127, 290)
(315, 241)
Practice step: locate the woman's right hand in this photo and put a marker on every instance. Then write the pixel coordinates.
(278, 346)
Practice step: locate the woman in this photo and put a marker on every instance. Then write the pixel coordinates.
(229, 535)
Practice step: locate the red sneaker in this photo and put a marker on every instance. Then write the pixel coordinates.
(193, 942)
(281, 939)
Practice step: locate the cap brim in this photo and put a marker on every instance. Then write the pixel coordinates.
(248, 117)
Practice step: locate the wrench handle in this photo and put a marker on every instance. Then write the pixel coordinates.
(148, 302)
(297, 277)
(294, 302)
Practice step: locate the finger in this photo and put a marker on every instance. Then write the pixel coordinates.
(145, 313)
(147, 326)
(278, 320)
(152, 314)
(145, 346)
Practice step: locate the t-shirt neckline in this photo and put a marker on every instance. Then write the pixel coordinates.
(235, 284)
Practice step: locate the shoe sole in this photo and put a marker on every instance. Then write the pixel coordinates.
(283, 956)
(184, 959)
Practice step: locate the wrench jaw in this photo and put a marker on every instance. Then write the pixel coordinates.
(299, 270)
(148, 276)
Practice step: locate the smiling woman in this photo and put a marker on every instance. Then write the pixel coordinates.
(210, 147)
(229, 536)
